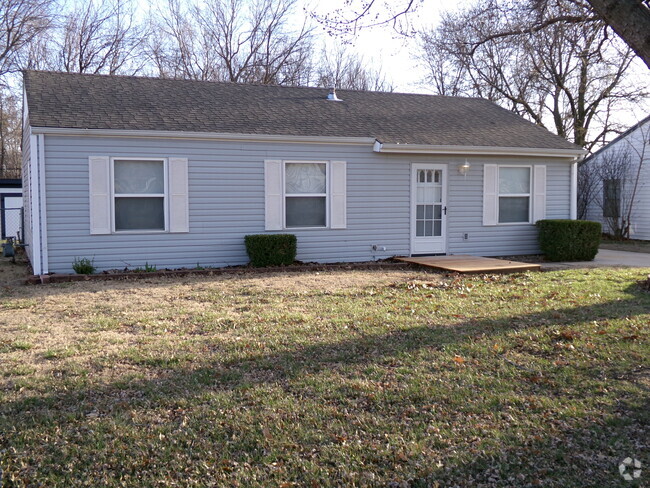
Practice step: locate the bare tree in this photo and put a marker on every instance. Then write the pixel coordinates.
(340, 68)
(232, 40)
(630, 19)
(98, 37)
(567, 78)
(588, 185)
(21, 21)
(10, 135)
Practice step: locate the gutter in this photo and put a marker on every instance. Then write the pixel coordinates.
(476, 150)
(162, 134)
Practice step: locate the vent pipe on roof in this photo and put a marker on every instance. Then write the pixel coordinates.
(332, 95)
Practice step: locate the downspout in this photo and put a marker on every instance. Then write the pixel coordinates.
(37, 196)
(573, 208)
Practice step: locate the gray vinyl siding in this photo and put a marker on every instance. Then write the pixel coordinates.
(226, 202)
(465, 214)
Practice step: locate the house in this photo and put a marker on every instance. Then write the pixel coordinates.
(173, 173)
(615, 184)
(11, 208)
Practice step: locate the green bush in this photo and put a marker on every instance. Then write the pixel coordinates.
(569, 240)
(271, 249)
(83, 266)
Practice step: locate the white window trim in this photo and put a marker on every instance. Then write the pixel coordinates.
(165, 195)
(513, 195)
(327, 194)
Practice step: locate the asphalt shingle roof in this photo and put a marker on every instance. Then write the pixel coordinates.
(134, 103)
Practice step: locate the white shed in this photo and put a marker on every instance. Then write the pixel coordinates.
(11, 208)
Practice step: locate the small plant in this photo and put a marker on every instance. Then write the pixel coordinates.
(569, 240)
(148, 268)
(83, 266)
(271, 249)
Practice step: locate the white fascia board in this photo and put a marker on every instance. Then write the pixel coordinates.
(43, 208)
(204, 135)
(35, 206)
(476, 150)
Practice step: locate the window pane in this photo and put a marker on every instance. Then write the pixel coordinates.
(305, 178)
(437, 228)
(419, 212)
(611, 198)
(139, 176)
(514, 180)
(438, 212)
(513, 209)
(428, 228)
(305, 211)
(429, 212)
(419, 228)
(133, 213)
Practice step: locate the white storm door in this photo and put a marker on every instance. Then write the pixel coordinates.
(428, 209)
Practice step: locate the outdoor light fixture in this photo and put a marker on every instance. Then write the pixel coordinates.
(463, 169)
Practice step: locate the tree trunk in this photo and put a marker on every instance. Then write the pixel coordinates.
(630, 19)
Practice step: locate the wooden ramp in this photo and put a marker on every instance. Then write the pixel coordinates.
(471, 264)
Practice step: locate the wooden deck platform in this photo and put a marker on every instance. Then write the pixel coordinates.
(462, 263)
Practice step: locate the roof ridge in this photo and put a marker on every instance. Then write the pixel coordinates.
(233, 83)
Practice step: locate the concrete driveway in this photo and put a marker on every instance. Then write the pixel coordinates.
(606, 258)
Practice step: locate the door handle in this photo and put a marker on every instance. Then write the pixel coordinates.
(445, 210)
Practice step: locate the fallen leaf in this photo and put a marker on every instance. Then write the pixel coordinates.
(459, 360)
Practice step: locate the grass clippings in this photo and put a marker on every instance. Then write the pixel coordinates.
(393, 378)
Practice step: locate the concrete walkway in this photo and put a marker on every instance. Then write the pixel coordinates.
(606, 258)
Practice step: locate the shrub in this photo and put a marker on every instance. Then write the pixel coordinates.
(83, 266)
(271, 249)
(569, 240)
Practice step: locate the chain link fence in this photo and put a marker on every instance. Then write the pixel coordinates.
(11, 223)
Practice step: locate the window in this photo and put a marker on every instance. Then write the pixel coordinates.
(612, 198)
(139, 194)
(514, 194)
(305, 194)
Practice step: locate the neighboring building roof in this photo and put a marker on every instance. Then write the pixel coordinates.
(61, 100)
(11, 183)
(621, 136)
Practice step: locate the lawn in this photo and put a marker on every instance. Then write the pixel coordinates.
(358, 378)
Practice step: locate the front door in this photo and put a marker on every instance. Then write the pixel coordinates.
(428, 209)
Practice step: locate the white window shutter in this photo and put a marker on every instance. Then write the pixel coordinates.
(100, 194)
(179, 212)
(273, 205)
(490, 194)
(338, 203)
(539, 193)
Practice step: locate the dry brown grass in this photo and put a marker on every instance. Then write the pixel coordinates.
(341, 378)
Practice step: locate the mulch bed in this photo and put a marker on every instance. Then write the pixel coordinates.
(231, 270)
